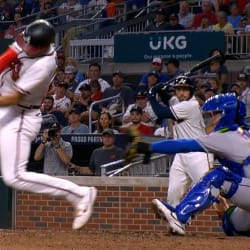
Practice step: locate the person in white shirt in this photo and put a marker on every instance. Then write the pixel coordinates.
(94, 73)
(61, 101)
(149, 117)
(243, 81)
(71, 8)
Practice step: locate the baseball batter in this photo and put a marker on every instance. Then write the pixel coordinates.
(188, 124)
(229, 142)
(27, 68)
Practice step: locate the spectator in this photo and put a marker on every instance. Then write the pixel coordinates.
(23, 8)
(185, 16)
(95, 5)
(209, 92)
(109, 12)
(82, 103)
(234, 17)
(174, 23)
(79, 75)
(59, 78)
(222, 24)
(206, 8)
(105, 121)
(173, 68)
(71, 9)
(149, 117)
(136, 116)
(243, 81)
(5, 15)
(159, 22)
(94, 73)
(157, 65)
(153, 79)
(217, 69)
(235, 88)
(96, 93)
(70, 79)
(61, 101)
(47, 108)
(60, 60)
(205, 24)
(118, 88)
(48, 12)
(225, 5)
(15, 28)
(109, 152)
(56, 152)
(75, 126)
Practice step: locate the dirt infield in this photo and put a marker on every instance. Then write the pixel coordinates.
(87, 240)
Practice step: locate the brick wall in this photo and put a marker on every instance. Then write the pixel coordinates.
(124, 207)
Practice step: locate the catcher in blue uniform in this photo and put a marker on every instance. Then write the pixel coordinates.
(229, 141)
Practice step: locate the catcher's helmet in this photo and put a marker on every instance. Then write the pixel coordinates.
(39, 33)
(232, 109)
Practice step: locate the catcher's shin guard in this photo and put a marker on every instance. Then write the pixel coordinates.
(205, 192)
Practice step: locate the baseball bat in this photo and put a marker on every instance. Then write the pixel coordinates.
(195, 68)
(202, 64)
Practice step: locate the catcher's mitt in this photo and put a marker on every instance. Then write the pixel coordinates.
(135, 146)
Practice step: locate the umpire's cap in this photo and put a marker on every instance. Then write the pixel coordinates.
(39, 33)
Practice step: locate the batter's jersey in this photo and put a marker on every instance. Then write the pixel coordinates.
(232, 146)
(31, 76)
(189, 118)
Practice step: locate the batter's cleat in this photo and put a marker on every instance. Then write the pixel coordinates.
(162, 211)
(84, 209)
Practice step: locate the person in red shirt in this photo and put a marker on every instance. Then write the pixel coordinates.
(206, 8)
(136, 113)
(96, 93)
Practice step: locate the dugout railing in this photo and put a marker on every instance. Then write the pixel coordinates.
(117, 99)
(158, 166)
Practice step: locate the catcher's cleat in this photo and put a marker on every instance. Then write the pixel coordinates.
(84, 209)
(169, 216)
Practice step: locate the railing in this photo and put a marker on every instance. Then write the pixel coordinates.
(89, 49)
(106, 100)
(238, 44)
(158, 166)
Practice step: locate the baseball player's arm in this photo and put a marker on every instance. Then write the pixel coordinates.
(9, 56)
(160, 110)
(12, 99)
(162, 147)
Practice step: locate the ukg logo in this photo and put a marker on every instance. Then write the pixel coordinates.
(165, 42)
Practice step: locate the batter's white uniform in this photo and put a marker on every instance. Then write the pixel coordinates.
(186, 167)
(20, 124)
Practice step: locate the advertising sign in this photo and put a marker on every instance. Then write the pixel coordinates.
(184, 46)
